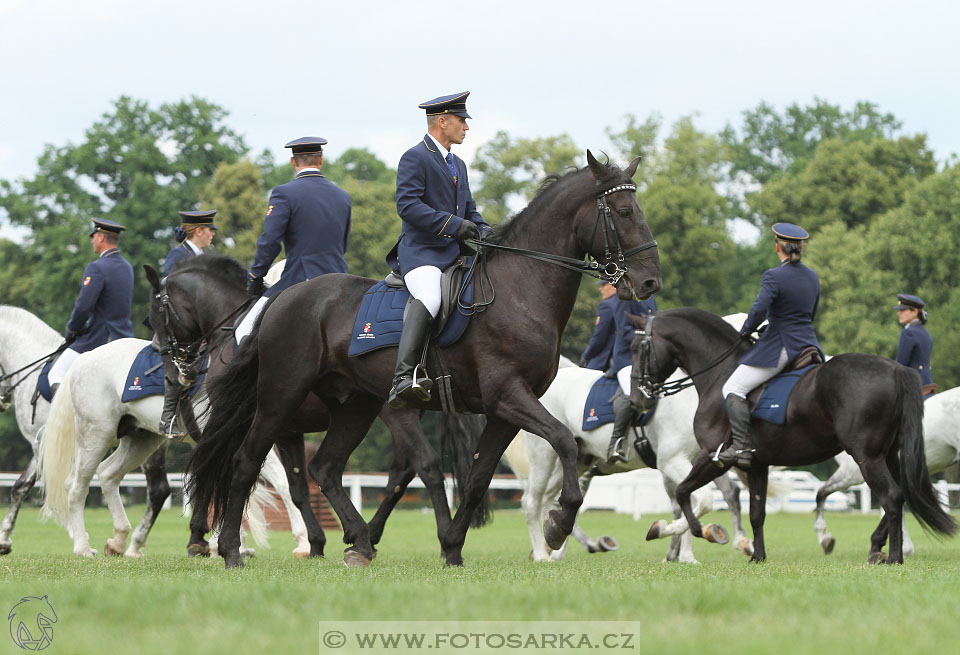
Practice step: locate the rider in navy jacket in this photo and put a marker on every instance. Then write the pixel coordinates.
(788, 299)
(438, 212)
(102, 311)
(621, 366)
(194, 234)
(598, 350)
(916, 345)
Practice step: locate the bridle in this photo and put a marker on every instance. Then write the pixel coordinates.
(611, 271)
(6, 389)
(641, 373)
(187, 358)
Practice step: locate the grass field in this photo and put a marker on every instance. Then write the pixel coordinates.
(798, 602)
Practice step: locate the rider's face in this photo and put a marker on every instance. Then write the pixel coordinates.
(454, 127)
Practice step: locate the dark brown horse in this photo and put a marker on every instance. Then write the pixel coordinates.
(867, 405)
(505, 360)
(192, 310)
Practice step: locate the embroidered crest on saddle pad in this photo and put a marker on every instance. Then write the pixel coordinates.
(597, 410)
(145, 377)
(380, 319)
(772, 405)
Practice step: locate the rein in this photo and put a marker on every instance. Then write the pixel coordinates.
(8, 389)
(661, 389)
(611, 272)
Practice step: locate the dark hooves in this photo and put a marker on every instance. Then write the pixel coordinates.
(656, 529)
(552, 533)
(198, 550)
(828, 544)
(715, 533)
(233, 561)
(878, 557)
(608, 544)
(5, 549)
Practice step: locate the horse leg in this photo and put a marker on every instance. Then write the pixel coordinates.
(21, 489)
(731, 494)
(497, 435)
(907, 541)
(198, 546)
(844, 477)
(286, 471)
(78, 488)
(349, 424)
(130, 454)
(602, 544)
(757, 479)
(158, 490)
(878, 476)
(538, 496)
(878, 540)
(674, 469)
(703, 472)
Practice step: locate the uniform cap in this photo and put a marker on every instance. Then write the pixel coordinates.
(909, 302)
(451, 104)
(307, 145)
(204, 217)
(103, 225)
(790, 232)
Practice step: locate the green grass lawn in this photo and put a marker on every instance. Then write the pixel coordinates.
(800, 601)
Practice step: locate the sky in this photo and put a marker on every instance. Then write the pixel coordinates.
(354, 72)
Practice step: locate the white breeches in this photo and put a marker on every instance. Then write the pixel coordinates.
(623, 377)
(747, 378)
(59, 368)
(246, 325)
(423, 283)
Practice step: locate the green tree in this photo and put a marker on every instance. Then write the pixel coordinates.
(237, 193)
(137, 166)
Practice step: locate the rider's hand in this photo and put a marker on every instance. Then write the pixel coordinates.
(255, 286)
(70, 336)
(468, 230)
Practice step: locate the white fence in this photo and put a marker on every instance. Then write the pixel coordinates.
(636, 492)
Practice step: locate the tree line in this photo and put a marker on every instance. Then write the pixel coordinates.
(883, 214)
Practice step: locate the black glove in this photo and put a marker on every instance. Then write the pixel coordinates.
(255, 286)
(70, 337)
(747, 337)
(468, 230)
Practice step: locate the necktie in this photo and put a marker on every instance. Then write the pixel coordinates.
(451, 166)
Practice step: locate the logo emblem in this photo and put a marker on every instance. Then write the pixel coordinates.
(31, 623)
(366, 327)
(592, 416)
(269, 210)
(86, 281)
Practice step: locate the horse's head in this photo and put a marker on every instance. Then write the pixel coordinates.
(614, 231)
(653, 361)
(177, 332)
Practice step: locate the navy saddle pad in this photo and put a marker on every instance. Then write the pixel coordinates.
(380, 319)
(141, 384)
(772, 406)
(598, 410)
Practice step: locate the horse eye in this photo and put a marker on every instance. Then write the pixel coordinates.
(625, 212)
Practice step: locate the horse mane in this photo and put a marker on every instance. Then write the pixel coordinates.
(223, 267)
(714, 324)
(26, 321)
(552, 186)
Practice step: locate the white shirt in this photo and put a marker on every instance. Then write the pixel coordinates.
(443, 151)
(192, 247)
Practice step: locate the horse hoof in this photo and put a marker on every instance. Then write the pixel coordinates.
(878, 557)
(247, 552)
(301, 554)
(5, 549)
(607, 544)
(744, 545)
(110, 551)
(828, 543)
(198, 550)
(715, 533)
(352, 559)
(531, 556)
(552, 533)
(656, 530)
(233, 560)
(133, 554)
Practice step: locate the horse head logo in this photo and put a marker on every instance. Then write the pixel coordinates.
(31, 623)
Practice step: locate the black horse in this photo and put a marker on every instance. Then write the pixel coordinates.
(867, 405)
(505, 360)
(193, 310)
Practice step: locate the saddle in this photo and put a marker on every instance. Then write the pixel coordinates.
(451, 284)
(769, 401)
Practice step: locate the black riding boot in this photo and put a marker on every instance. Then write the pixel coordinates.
(410, 383)
(169, 426)
(623, 419)
(740, 451)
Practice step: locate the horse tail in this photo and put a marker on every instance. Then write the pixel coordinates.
(255, 513)
(57, 454)
(918, 491)
(233, 405)
(459, 436)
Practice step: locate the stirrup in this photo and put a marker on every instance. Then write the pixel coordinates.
(615, 451)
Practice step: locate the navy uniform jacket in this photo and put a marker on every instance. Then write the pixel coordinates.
(624, 330)
(102, 312)
(597, 354)
(432, 208)
(914, 350)
(788, 299)
(176, 256)
(310, 216)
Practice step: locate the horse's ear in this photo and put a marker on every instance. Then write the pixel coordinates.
(595, 166)
(640, 322)
(153, 277)
(632, 168)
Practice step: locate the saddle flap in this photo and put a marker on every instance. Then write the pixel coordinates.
(394, 280)
(807, 357)
(450, 283)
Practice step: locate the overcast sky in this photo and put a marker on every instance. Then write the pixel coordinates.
(354, 72)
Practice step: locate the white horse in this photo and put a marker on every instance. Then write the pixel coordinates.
(86, 419)
(24, 339)
(941, 440)
(670, 432)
